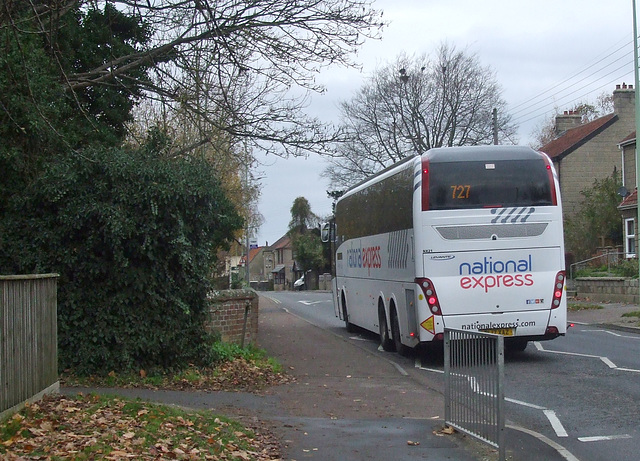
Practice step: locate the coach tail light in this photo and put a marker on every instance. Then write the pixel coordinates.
(425, 184)
(558, 289)
(430, 295)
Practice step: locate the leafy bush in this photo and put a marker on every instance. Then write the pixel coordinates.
(597, 218)
(626, 268)
(226, 352)
(133, 236)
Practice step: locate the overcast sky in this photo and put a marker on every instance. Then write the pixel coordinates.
(546, 54)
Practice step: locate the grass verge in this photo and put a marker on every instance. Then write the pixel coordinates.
(115, 428)
(573, 307)
(635, 314)
(100, 427)
(246, 370)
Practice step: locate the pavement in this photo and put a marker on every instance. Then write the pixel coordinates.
(608, 315)
(352, 404)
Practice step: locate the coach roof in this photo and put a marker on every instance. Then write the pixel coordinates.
(481, 153)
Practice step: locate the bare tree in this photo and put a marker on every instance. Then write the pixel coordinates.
(413, 105)
(244, 67)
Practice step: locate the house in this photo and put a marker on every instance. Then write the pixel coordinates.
(258, 276)
(278, 260)
(582, 153)
(629, 205)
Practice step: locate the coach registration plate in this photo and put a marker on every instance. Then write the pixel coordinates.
(500, 331)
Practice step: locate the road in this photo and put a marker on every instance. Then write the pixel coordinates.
(581, 391)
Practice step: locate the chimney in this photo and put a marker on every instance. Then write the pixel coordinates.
(570, 119)
(624, 102)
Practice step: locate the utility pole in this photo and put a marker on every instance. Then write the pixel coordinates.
(495, 126)
(247, 228)
(637, 81)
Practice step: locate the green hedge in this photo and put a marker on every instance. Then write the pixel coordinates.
(133, 236)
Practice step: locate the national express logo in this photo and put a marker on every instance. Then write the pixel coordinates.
(367, 258)
(489, 273)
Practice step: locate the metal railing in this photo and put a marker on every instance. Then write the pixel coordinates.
(474, 385)
(28, 338)
(612, 257)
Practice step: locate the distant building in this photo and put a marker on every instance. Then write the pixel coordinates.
(279, 258)
(257, 274)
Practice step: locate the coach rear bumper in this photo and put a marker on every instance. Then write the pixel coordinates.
(527, 325)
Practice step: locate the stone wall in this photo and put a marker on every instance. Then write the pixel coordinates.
(233, 311)
(324, 282)
(607, 289)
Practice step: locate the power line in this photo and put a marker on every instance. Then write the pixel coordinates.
(570, 90)
(583, 92)
(568, 79)
(628, 62)
(579, 98)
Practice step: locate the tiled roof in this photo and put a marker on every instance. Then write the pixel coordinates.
(630, 200)
(631, 137)
(253, 252)
(282, 242)
(575, 137)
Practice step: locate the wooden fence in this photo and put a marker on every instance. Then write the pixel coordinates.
(28, 339)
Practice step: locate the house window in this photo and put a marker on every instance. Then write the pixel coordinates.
(630, 237)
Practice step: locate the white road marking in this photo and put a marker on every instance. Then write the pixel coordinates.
(601, 438)
(401, 370)
(310, 303)
(525, 404)
(551, 415)
(555, 423)
(418, 364)
(566, 454)
(605, 360)
(542, 349)
(628, 369)
(612, 333)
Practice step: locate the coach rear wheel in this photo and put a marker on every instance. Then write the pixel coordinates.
(395, 331)
(385, 341)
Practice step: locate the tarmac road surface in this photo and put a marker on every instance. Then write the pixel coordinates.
(348, 403)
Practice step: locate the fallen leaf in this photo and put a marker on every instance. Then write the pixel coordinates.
(446, 430)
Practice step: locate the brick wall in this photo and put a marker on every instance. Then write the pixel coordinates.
(227, 315)
(594, 160)
(607, 289)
